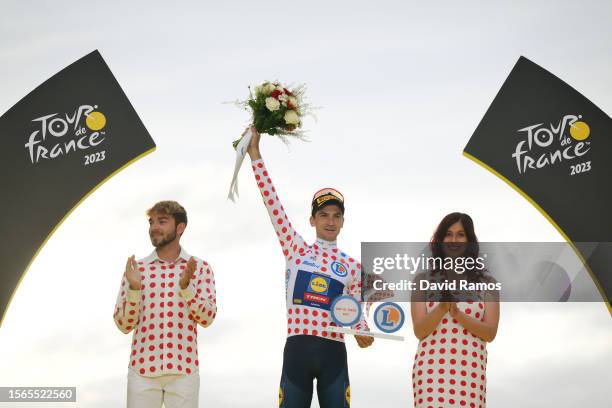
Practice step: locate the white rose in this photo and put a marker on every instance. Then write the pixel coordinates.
(272, 104)
(268, 87)
(258, 89)
(291, 117)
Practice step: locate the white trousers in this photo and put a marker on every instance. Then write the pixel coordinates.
(174, 391)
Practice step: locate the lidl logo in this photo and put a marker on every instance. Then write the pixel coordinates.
(389, 317)
(316, 290)
(318, 284)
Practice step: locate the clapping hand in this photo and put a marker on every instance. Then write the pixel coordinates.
(132, 274)
(187, 273)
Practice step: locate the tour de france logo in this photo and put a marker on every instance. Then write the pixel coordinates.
(389, 317)
(543, 146)
(62, 134)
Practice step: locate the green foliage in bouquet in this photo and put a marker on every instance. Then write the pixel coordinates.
(277, 110)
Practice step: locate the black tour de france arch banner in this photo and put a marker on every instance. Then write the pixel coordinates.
(58, 144)
(554, 147)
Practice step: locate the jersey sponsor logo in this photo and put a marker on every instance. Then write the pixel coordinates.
(315, 290)
(339, 269)
(314, 265)
(318, 284)
(324, 300)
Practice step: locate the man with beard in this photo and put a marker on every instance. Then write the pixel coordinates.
(161, 298)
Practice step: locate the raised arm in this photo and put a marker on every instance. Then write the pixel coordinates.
(291, 242)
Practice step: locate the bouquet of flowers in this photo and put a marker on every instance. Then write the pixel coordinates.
(276, 110)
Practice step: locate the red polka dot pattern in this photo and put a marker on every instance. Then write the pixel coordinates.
(164, 318)
(303, 319)
(452, 376)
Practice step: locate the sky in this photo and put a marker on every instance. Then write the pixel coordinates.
(400, 87)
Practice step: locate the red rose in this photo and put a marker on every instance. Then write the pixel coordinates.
(288, 92)
(290, 105)
(275, 93)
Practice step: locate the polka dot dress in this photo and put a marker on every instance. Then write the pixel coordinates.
(450, 364)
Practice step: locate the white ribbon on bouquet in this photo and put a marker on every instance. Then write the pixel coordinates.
(241, 151)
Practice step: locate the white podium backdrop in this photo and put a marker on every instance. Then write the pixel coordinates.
(402, 87)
